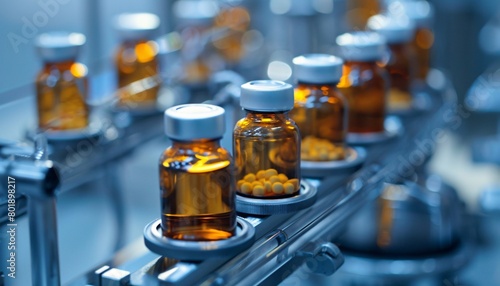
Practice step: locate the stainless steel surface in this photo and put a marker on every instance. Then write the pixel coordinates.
(327, 259)
(38, 180)
(96, 277)
(407, 219)
(115, 277)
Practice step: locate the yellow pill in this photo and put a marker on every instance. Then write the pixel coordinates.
(270, 172)
(289, 188)
(246, 188)
(261, 174)
(334, 156)
(240, 182)
(323, 155)
(283, 178)
(295, 183)
(274, 179)
(258, 190)
(256, 183)
(278, 188)
(249, 178)
(268, 187)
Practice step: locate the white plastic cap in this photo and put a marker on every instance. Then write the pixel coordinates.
(195, 12)
(420, 11)
(361, 46)
(194, 121)
(267, 96)
(318, 68)
(395, 29)
(134, 26)
(59, 46)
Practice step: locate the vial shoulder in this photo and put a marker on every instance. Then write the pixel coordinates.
(284, 127)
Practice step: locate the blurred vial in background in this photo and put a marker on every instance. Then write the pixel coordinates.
(421, 13)
(401, 64)
(136, 60)
(364, 83)
(320, 110)
(359, 11)
(231, 24)
(194, 20)
(61, 85)
(266, 142)
(196, 176)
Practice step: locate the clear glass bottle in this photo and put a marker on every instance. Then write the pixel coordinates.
(320, 110)
(266, 143)
(364, 83)
(196, 176)
(136, 60)
(401, 64)
(61, 85)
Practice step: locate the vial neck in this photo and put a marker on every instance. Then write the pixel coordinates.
(203, 144)
(62, 65)
(320, 86)
(368, 63)
(259, 116)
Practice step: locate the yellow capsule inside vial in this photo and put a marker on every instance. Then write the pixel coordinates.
(266, 143)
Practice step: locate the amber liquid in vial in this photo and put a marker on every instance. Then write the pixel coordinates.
(359, 11)
(138, 80)
(266, 153)
(321, 115)
(197, 191)
(61, 96)
(364, 84)
(424, 39)
(401, 68)
(236, 21)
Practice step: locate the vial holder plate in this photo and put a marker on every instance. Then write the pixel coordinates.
(393, 128)
(198, 250)
(353, 161)
(263, 206)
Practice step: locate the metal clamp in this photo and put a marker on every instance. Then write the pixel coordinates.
(325, 259)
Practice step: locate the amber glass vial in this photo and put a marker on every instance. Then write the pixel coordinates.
(359, 11)
(196, 176)
(266, 143)
(320, 110)
(422, 14)
(363, 82)
(136, 60)
(401, 63)
(61, 86)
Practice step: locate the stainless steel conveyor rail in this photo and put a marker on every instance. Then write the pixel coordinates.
(285, 242)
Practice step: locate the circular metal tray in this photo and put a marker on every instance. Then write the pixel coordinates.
(261, 206)
(353, 161)
(198, 250)
(94, 130)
